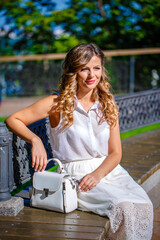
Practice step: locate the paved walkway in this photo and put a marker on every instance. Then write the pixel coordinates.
(11, 105)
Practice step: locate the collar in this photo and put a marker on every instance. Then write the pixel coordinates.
(95, 105)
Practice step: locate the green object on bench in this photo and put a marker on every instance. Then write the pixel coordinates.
(54, 168)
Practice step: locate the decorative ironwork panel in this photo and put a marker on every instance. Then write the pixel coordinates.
(138, 109)
(22, 151)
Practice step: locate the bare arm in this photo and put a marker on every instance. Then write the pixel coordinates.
(110, 162)
(18, 122)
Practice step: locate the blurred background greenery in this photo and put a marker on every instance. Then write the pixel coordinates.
(48, 26)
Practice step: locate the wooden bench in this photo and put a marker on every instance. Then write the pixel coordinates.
(33, 223)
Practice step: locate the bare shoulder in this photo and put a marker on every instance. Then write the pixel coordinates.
(46, 105)
(52, 102)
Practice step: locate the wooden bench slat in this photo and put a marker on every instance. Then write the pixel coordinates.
(53, 220)
(73, 215)
(48, 233)
(44, 226)
(12, 228)
(5, 237)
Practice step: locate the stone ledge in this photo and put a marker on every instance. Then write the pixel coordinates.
(152, 180)
(154, 195)
(11, 207)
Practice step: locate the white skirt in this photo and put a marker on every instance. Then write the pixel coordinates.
(117, 196)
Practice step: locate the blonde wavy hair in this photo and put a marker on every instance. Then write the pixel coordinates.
(76, 59)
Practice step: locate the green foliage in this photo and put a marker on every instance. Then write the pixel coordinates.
(31, 25)
(111, 24)
(64, 43)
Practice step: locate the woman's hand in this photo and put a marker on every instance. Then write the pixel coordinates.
(39, 155)
(88, 182)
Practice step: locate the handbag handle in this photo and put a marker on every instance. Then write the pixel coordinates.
(59, 163)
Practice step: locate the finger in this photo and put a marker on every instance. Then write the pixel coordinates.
(44, 164)
(92, 186)
(84, 179)
(86, 185)
(33, 158)
(40, 166)
(36, 164)
(89, 185)
(33, 161)
(82, 183)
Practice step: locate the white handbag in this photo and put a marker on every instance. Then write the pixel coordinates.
(54, 191)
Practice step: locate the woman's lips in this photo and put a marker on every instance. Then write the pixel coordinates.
(90, 81)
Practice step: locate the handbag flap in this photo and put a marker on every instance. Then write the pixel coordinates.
(47, 180)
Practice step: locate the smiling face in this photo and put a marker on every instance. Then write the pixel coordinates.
(89, 75)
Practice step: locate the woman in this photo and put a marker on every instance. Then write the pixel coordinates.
(85, 136)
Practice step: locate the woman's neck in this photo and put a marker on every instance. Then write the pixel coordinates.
(85, 100)
(85, 97)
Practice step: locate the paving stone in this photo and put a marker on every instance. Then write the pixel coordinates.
(11, 207)
(157, 215)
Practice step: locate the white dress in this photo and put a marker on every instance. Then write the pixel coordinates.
(82, 148)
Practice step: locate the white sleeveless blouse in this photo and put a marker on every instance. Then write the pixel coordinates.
(85, 139)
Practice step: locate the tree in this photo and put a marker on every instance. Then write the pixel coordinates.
(29, 25)
(111, 24)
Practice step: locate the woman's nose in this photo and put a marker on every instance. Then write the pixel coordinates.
(91, 73)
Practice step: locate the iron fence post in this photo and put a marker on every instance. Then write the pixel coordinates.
(5, 163)
(131, 74)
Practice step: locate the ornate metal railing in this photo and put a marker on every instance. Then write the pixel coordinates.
(136, 110)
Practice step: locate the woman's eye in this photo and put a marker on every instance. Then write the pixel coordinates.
(83, 69)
